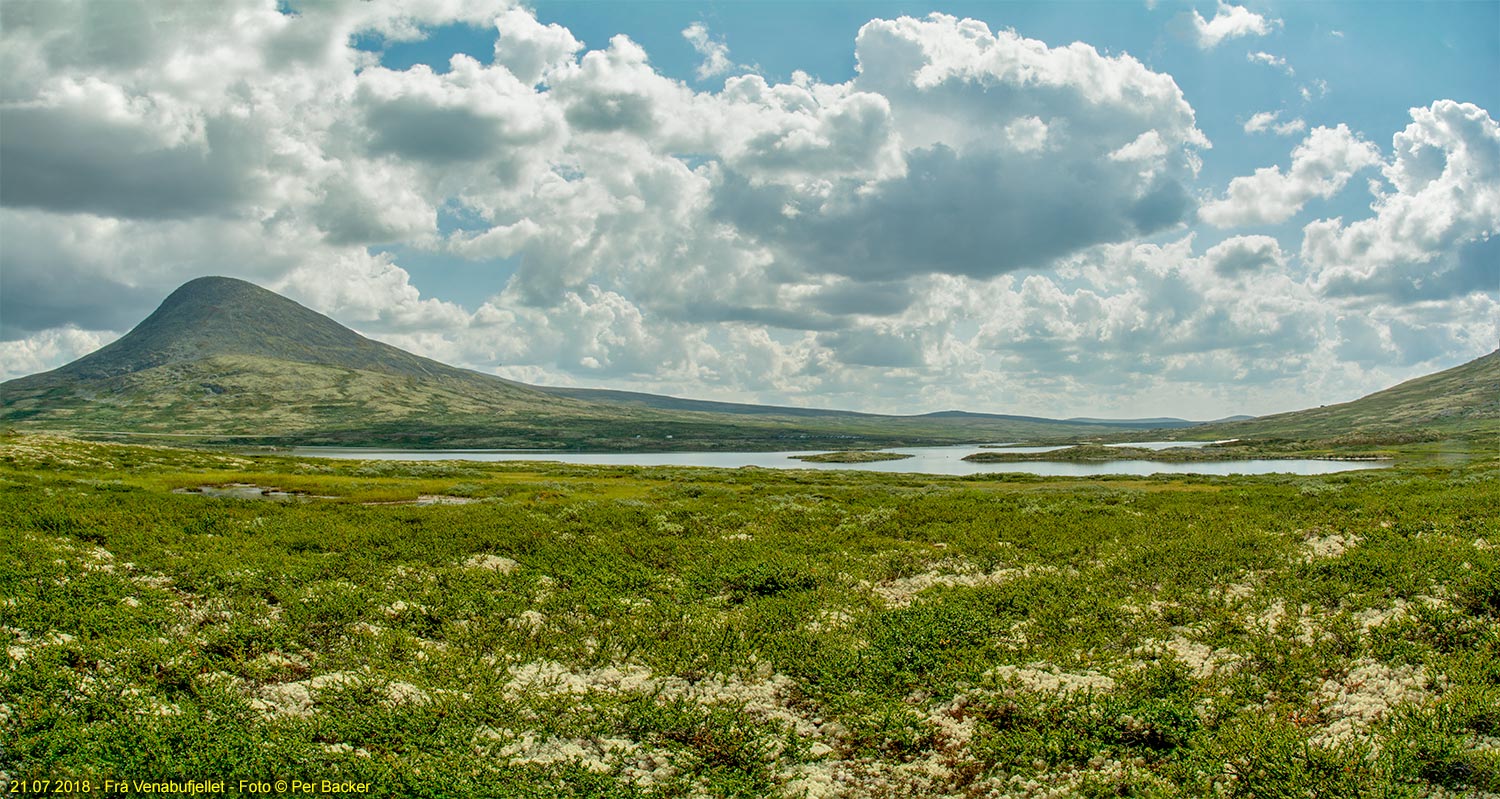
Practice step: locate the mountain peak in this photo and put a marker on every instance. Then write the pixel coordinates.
(214, 316)
(211, 288)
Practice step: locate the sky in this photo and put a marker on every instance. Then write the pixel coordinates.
(1113, 209)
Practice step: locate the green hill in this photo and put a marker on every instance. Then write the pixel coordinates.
(1462, 401)
(219, 316)
(222, 356)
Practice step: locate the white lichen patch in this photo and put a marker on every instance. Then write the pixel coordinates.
(828, 620)
(548, 677)
(1201, 659)
(493, 563)
(335, 679)
(529, 620)
(838, 779)
(151, 580)
(144, 704)
(404, 693)
(283, 699)
(599, 755)
(197, 612)
(1366, 695)
(1049, 679)
(298, 698)
(544, 586)
(20, 649)
(1330, 546)
(400, 607)
(1153, 609)
(629, 760)
(276, 661)
(648, 766)
(761, 694)
(345, 749)
(1271, 616)
(1380, 616)
(1100, 772)
(98, 559)
(1240, 590)
(902, 591)
(952, 720)
(1303, 624)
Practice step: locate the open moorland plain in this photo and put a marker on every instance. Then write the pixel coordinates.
(692, 400)
(525, 629)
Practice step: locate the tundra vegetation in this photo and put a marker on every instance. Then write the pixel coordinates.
(523, 629)
(852, 456)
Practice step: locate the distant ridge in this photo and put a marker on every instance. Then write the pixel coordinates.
(665, 402)
(1158, 422)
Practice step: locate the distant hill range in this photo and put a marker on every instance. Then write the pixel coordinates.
(226, 359)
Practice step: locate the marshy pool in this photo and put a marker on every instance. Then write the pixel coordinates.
(923, 460)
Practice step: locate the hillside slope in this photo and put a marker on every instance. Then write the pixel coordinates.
(1464, 400)
(219, 316)
(224, 356)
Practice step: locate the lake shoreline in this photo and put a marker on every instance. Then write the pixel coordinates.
(946, 460)
(1184, 454)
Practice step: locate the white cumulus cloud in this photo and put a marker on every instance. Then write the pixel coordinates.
(48, 349)
(1262, 57)
(715, 54)
(529, 49)
(1229, 22)
(1321, 166)
(1437, 234)
(1271, 121)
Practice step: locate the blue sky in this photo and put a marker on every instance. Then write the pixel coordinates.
(1366, 64)
(1376, 59)
(1057, 208)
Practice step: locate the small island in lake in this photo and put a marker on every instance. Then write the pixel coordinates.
(851, 456)
(1101, 452)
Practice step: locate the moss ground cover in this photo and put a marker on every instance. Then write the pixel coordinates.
(583, 631)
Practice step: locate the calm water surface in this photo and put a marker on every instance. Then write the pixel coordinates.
(924, 460)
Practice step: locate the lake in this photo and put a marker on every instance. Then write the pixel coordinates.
(924, 460)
